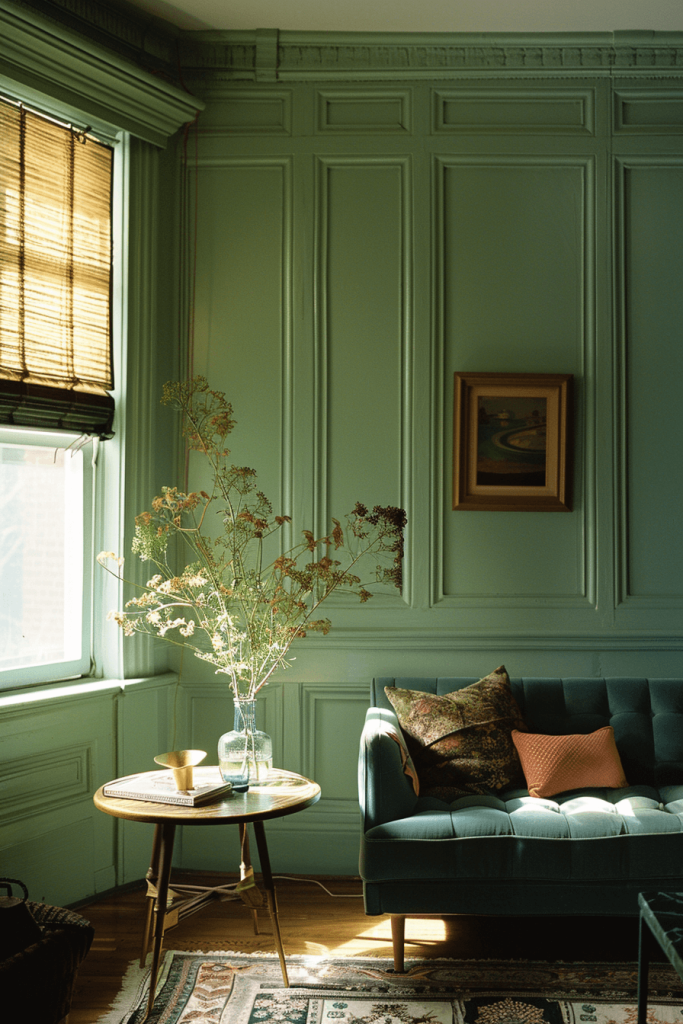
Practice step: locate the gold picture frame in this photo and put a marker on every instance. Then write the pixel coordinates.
(511, 442)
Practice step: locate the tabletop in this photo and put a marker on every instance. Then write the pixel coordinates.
(280, 794)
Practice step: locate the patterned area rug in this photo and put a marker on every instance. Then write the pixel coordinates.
(227, 988)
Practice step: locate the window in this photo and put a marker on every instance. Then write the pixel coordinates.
(46, 490)
(55, 376)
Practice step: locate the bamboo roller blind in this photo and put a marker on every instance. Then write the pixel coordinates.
(55, 274)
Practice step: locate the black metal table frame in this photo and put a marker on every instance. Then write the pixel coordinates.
(648, 941)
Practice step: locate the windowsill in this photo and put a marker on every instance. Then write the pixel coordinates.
(74, 688)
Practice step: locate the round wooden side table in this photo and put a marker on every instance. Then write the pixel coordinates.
(281, 793)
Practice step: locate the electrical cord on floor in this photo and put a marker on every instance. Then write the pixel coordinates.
(338, 895)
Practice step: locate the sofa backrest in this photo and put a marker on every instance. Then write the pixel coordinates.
(646, 715)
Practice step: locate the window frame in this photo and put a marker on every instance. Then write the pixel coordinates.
(66, 668)
(103, 477)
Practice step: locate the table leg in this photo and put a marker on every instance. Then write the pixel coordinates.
(644, 944)
(246, 870)
(152, 877)
(166, 836)
(260, 834)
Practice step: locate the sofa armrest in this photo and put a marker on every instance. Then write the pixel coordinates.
(385, 791)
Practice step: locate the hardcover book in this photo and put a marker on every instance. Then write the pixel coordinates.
(159, 787)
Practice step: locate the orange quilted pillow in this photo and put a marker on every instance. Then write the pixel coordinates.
(554, 764)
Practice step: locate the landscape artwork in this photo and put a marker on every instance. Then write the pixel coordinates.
(511, 441)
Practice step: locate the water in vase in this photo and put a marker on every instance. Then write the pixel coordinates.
(241, 774)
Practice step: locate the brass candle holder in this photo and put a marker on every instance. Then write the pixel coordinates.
(181, 763)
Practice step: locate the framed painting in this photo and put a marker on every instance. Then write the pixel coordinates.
(511, 442)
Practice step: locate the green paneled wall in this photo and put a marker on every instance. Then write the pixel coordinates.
(359, 243)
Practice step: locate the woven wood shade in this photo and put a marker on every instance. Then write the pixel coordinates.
(55, 275)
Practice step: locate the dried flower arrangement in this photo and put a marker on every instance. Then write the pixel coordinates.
(229, 605)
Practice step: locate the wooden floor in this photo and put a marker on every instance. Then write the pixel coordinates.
(314, 922)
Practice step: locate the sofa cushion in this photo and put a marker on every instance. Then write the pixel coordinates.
(646, 714)
(461, 741)
(628, 834)
(555, 764)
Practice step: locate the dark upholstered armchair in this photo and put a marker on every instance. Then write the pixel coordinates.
(585, 852)
(37, 983)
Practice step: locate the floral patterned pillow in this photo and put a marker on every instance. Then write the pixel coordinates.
(461, 742)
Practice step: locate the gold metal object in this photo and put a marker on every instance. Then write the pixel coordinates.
(181, 763)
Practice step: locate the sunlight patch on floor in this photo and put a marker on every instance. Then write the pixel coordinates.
(423, 931)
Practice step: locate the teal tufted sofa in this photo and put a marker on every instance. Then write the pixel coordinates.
(587, 852)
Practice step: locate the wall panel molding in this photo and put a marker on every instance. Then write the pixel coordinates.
(328, 715)
(326, 168)
(585, 508)
(468, 638)
(514, 111)
(45, 780)
(235, 112)
(648, 111)
(358, 112)
(642, 608)
(285, 165)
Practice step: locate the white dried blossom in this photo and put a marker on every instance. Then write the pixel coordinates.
(123, 621)
(196, 581)
(171, 586)
(171, 624)
(109, 556)
(143, 600)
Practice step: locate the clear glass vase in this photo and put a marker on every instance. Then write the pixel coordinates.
(245, 754)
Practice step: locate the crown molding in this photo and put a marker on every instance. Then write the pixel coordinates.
(144, 38)
(291, 56)
(43, 57)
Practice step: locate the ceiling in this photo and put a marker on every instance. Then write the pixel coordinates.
(421, 15)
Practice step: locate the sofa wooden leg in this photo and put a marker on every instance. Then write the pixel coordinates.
(398, 934)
